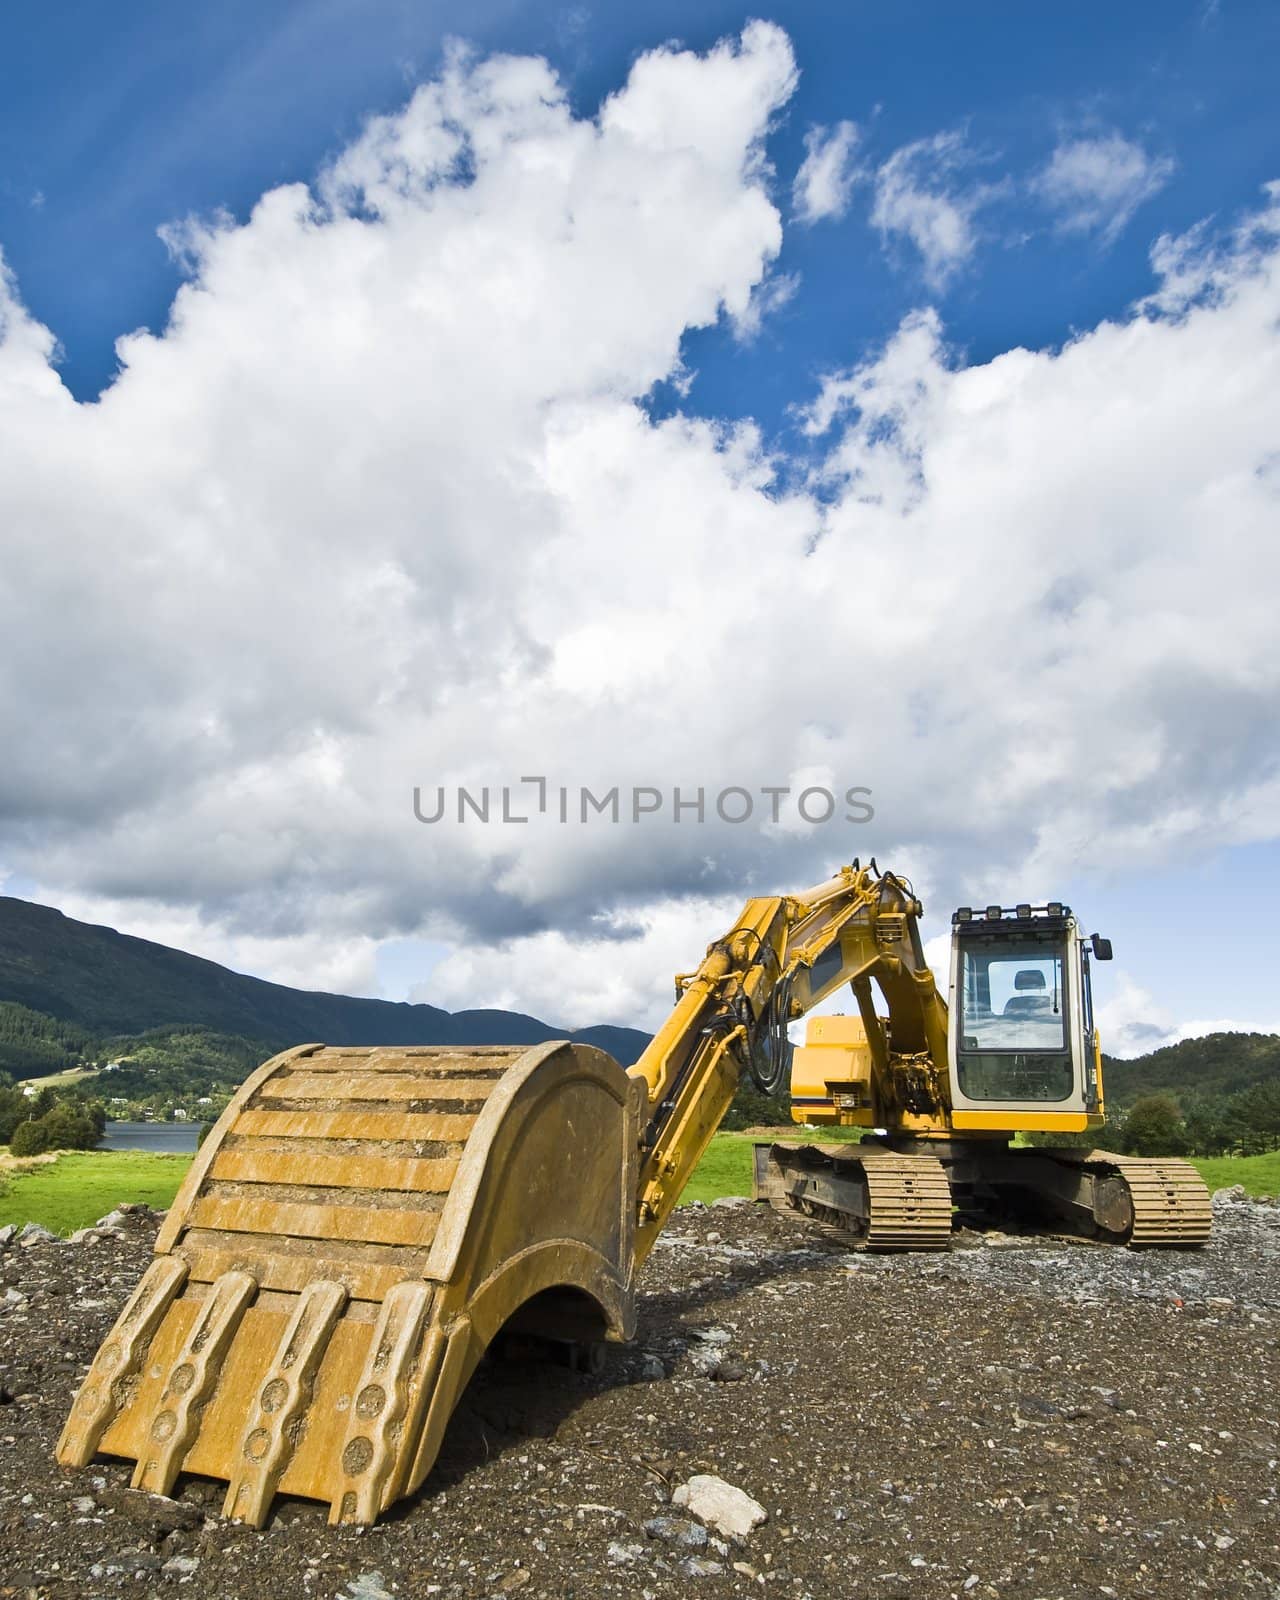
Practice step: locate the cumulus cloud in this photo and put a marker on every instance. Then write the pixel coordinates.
(382, 506)
(1096, 184)
(1134, 1023)
(825, 181)
(924, 194)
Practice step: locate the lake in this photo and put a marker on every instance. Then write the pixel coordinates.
(162, 1138)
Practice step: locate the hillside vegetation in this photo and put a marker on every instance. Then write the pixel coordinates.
(1218, 1064)
(73, 991)
(166, 1033)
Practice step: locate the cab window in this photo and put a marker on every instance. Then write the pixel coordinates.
(1013, 1042)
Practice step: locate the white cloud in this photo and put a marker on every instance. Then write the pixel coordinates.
(1134, 1023)
(828, 173)
(382, 506)
(1095, 184)
(922, 194)
(768, 297)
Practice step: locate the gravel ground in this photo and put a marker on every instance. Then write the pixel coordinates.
(1014, 1419)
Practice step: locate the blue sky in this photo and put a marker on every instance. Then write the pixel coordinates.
(118, 122)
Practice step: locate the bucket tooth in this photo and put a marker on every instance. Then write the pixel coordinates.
(190, 1382)
(382, 1398)
(283, 1397)
(105, 1388)
(352, 1235)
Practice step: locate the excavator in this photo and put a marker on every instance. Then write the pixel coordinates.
(362, 1224)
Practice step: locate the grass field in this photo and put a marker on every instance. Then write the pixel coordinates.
(83, 1185)
(726, 1167)
(1260, 1175)
(60, 1080)
(77, 1188)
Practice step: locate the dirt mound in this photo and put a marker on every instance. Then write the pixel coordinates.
(1016, 1419)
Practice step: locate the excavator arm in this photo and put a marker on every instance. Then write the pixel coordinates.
(361, 1224)
(780, 959)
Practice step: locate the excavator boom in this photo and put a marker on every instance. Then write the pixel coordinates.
(361, 1224)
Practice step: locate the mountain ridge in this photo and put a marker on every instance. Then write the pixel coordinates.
(109, 982)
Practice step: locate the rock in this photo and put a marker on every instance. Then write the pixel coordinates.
(140, 1561)
(113, 1221)
(719, 1336)
(368, 1586)
(651, 1367)
(623, 1554)
(33, 1233)
(8, 1234)
(730, 1372)
(1236, 1193)
(723, 1506)
(152, 1509)
(679, 1531)
(181, 1566)
(728, 1202)
(14, 1297)
(706, 1360)
(700, 1567)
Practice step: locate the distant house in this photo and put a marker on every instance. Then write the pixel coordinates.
(30, 1090)
(179, 1115)
(205, 1100)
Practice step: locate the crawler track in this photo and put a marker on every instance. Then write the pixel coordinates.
(1170, 1202)
(880, 1200)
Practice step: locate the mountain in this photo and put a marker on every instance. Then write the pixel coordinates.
(108, 983)
(1217, 1064)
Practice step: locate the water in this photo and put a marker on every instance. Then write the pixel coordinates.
(162, 1138)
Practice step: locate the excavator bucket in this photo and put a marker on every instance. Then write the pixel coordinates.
(352, 1235)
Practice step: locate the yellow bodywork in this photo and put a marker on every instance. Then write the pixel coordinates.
(362, 1223)
(354, 1232)
(831, 1074)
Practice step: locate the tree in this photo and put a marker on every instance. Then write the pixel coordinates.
(63, 1128)
(1208, 1125)
(1154, 1127)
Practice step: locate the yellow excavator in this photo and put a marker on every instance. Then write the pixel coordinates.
(361, 1224)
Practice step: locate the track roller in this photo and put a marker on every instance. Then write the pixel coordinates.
(886, 1201)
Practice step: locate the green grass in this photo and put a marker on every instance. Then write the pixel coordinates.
(61, 1080)
(1260, 1175)
(81, 1186)
(725, 1168)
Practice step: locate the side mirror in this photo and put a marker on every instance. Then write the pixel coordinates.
(1101, 948)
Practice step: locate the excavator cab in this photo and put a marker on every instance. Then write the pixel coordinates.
(1022, 1048)
(363, 1223)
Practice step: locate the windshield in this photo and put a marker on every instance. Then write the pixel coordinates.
(1012, 1028)
(1011, 996)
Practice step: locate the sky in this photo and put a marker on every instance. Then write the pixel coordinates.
(405, 398)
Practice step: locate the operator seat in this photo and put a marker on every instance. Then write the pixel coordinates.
(1033, 1001)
